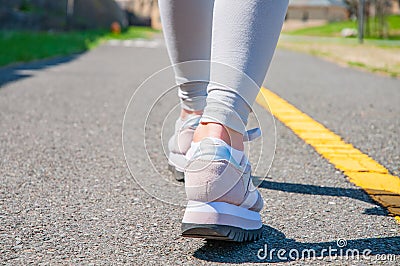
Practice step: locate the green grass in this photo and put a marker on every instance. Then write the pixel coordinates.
(373, 69)
(356, 64)
(394, 22)
(330, 29)
(333, 29)
(25, 46)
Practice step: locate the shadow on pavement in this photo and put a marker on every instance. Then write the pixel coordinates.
(353, 193)
(15, 72)
(379, 211)
(266, 249)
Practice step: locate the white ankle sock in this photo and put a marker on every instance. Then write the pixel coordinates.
(237, 155)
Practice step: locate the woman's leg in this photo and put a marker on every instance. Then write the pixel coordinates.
(187, 26)
(223, 202)
(244, 37)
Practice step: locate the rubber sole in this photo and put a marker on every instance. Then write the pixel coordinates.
(221, 221)
(179, 176)
(220, 232)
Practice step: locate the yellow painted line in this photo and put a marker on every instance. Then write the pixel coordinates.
(361, 169)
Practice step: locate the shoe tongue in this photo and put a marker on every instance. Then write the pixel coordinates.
(237, 155)
(197, 146)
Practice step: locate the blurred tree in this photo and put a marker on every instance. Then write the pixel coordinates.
(25, 6)
(352, 7)
(51, 14)
(382, 9)
(379, 9)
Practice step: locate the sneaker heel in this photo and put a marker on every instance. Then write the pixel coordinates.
(221, 221)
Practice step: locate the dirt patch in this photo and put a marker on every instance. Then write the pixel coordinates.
(372, 58)
(291, 25)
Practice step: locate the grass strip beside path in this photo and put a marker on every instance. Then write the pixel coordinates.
(375, 55)
(334, 29)
(25, 46)
(372, 56)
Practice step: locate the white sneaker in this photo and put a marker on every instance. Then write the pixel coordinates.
(223, 202)
(179, 144)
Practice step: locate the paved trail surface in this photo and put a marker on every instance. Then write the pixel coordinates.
(67, 197)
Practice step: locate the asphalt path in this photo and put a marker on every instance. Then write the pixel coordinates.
(68, 197)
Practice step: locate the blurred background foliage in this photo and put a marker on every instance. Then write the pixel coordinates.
(52, 14)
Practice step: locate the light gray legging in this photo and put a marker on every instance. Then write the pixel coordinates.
(241, 34)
